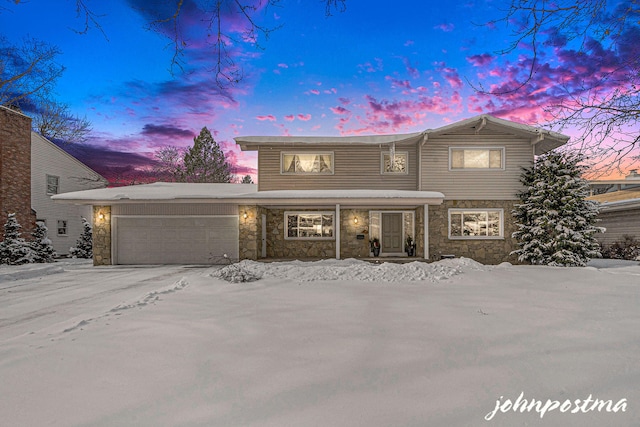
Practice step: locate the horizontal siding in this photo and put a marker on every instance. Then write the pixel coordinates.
(48, 159)
(177, 209)
(475, 185)
(355, 167)
(618, 224)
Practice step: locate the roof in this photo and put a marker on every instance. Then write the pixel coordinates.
(543, 140)
(618, 200)
(53, 146)
(241, 193)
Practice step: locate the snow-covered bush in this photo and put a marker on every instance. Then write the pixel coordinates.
(84, 244)
(237, 273)
(556, 224)
(627, 248)
(14, 250)
(41, 246)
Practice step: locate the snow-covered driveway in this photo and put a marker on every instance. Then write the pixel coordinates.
(320, 345)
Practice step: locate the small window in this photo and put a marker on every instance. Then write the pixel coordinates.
(307, 163)
(475, 224)
(62, 227)
(309, 225)
(476, 158)
(52, 184)
(396, 165)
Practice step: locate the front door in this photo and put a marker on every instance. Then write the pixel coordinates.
(392, 233)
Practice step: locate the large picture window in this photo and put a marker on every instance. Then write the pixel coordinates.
(475, 224)
(307, 163)
(309, 225)
(396, 165)
(476, 158)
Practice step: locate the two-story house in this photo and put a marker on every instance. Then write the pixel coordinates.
(449, 190)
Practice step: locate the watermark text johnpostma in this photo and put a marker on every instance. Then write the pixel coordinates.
(575, 406)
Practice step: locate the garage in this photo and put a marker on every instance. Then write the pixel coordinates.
(175, 239)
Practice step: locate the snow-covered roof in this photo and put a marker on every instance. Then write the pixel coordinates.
(543, 140)
(618, 200)
(241, 193)
(252, 142)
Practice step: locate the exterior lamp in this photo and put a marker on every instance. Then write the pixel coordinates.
(245, 216)
(100, 216)
(355, 220)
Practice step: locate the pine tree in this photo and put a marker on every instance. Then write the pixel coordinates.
(205, 161)
(556, 224)
(41, 246)
(14, 250)
(84, 244)
(247, 180)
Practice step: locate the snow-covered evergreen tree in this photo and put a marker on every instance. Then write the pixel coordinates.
(556, 224)
(14, 250)
(41, 244)
(84, 244)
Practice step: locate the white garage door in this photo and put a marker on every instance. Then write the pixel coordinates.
(175, 240)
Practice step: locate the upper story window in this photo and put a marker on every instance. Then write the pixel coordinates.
(476, 158)
(306, 163)
(309, 225)
(52, 184)
(398, 164)
(476, 223)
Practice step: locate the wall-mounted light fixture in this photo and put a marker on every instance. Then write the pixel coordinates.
(100, 216)
(355, 219)
(245, 216)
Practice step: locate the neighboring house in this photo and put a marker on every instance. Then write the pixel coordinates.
(15, 169)
(619, 210)
(450, 190)
(53, 171)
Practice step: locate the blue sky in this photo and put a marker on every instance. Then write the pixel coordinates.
(378, 67)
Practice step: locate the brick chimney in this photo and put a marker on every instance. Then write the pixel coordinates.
(15, 169)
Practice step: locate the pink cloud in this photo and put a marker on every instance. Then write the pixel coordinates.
(370, 67)
(480, 60)
(447, 28)
(304, 117)
(270, 118)
(314, 92)
(290, 118)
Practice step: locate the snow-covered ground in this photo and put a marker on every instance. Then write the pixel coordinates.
(331, 343)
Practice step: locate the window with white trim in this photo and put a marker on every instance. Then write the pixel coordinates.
(476, 158)
(62, 227)
(309, 225)
(476, 223)
(396, 165)
(306, 163)
(52, 184)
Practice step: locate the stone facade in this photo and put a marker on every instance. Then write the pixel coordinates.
(486, 251)
(102, 235)
(350, 246)
(15, 168)
(250, 231)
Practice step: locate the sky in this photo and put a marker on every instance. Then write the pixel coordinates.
(370, 69)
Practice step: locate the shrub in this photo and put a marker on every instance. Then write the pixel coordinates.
(627, 248)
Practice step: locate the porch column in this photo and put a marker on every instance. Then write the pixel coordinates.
(426, 231)
(336, 227)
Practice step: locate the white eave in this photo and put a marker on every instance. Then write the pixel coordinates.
(542, 140)
(620, 205)
(165, 192)
(250, 143)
